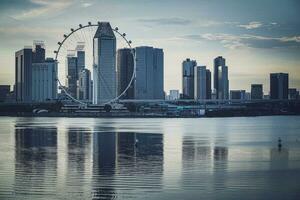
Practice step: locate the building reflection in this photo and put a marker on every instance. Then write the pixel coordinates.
(78, 159)
(119, 159)
(196, 158)
(35, 154)
(104, 163)
(193, 150)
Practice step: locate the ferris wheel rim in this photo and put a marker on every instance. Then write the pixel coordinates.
(116, 30)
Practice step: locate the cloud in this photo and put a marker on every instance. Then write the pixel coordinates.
(257, 24)
(166, 21)
(251, 25)
(245, 40)
(85, 5)
(43, 7)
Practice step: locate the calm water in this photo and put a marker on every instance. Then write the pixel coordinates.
(220, 158)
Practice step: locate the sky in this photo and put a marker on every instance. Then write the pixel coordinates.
(256, 37)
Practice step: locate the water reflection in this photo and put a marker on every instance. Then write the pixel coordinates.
(35, 160)
(119, 162)
(64, 160)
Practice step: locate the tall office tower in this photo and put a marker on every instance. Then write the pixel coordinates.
(104, 69)
(219, 61)
(208, 84)
(188, 78)
(44, 80)
(149, 73)
(38, 53)
(237, 94)
(222, 91)
(158, 74)
(23, 75)
(200, 83)
(257, 91)
(279, 85)
(80, 57)
(125, 67)
(84, 85)
(71, 72)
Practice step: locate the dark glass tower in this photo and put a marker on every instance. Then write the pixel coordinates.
(208, 84)
(125, 66)
(23, 75)
(279, 85)
(188, 78)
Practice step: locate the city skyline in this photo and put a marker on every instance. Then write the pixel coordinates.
(260, 41)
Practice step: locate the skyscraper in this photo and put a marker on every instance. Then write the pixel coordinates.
(23, 75)
(188, 78)
(279, 85)
(84, 85)
(44, 80)
(200, 82)
(125, 67)
(149, 73)
(80, 57)
(72, 76)
(104, 64)
(158, 73)
(256, 91)
(221, 82)
(38, 53)
(208, 84)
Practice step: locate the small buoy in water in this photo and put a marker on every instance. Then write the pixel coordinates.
(279, 143)
(136, 142)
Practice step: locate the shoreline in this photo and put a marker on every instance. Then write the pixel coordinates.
(135, 115)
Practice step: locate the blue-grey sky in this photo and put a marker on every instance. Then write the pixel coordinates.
(256, 37)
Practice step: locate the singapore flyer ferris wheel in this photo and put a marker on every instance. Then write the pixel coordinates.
(90, 51)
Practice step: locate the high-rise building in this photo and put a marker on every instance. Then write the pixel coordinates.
(44, 80)
(39, 52)
(237, 94)
(125, 67)
(222, 89)
(23, 75)
(149, 73)
(279, 85)
(221, 82)
(84, 85)
(72, 76)
(104, 64)
(200, 83)
(218, 61)
(188, 78)
(208, 84)
(256, 91)
(80, 57)
(158, 73)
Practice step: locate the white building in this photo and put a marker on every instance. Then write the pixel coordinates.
(44, 80)
(174, 95)
(200, 83)
(104, 69)
(149, 82)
